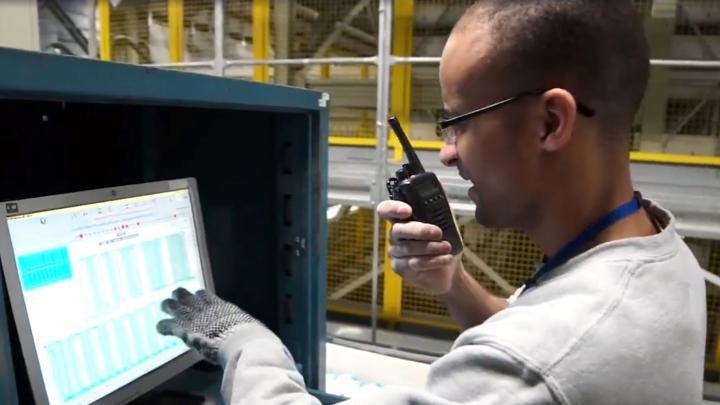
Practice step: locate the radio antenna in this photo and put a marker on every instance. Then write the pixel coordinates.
(414, 166)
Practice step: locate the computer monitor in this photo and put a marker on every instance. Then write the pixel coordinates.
(86, 273)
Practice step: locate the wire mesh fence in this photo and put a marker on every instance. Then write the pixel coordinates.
(698, 19)
(350, 259)
(509, 253)
(64, 27)
(348, 28)
(139, 31)
(323, 28)
(692, 117)
(352, 90)
(708, 254)
(680, 114)
(198, 30)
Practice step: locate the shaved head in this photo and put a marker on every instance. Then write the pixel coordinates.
(595, 49)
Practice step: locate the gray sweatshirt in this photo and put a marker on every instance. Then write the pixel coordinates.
(623, 323)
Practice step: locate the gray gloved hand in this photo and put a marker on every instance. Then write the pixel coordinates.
(202, 320)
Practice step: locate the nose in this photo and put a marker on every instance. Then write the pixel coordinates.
(448, 154)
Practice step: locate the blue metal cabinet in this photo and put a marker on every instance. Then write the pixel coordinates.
(258, 152)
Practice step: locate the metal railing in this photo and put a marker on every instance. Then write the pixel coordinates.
(383, 61)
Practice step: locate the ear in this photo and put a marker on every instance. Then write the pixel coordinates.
(560, 112)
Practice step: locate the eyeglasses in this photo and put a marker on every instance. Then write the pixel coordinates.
(446, 130)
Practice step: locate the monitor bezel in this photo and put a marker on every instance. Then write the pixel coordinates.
(9, 209)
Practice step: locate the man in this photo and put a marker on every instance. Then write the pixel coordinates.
(615, 315)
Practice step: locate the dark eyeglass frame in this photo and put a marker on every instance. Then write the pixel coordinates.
(443, 124)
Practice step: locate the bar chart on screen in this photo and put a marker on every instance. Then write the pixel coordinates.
(133, 271)
(91, 357)
(92, 279)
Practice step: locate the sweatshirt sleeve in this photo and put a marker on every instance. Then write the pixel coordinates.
(259, 370)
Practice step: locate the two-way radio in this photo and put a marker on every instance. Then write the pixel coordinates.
(423, 192)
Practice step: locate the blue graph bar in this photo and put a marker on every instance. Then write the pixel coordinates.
(123, 347)
(153, 263)
(131, 272)
(71, 368)
(89, 358)
(58, 365)
(100, 355)
(151, 337)
(150, 322)
(178, 257)
(73, 364)
(132, 353)
(112, 277)
(99, 300)
(44, 268)
(133, 338)
(163, 342)
(108, 350)
(141, 336)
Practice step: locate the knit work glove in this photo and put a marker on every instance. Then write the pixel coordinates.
(202, 320)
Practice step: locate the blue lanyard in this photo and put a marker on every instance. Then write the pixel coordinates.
(586, 236)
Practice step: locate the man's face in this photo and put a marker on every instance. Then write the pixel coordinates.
(497, 151)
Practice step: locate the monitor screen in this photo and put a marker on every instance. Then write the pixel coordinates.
(92, 277)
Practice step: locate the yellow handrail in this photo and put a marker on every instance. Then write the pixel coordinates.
(176, 30)
(105, 37)
(638, 157)
(261, 38)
